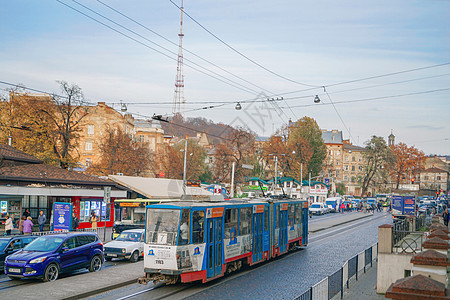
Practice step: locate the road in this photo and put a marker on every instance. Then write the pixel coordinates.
(282, 278)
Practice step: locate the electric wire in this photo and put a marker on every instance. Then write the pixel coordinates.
(339, 115)
(240, 53)
(244, 88)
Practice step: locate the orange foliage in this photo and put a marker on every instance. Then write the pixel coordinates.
(409, 161)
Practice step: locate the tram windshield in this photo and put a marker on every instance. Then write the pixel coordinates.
(162, 226)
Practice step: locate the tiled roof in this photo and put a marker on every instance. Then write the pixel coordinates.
(49, 174)
(353, 147)
(11, 153)
(435, 170)
(332, 137)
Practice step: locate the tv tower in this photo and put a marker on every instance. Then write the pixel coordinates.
(178, 98)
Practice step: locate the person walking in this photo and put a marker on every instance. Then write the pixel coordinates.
(8, 225)
(342, 207)
(75, 222)
(94, 220)
(21, 224)
(445, 215)
(28, 226)
(51, 221)
(41, 220)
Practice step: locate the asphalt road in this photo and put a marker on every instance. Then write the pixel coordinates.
(283, 278)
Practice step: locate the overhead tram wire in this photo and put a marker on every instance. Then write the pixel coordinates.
(175, 44)
(339, 115)
(240, 53)
(243, 88)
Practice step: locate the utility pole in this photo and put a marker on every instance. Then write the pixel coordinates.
(184, 170)
(276, 175)
(232, 179)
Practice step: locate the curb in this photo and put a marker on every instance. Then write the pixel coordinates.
(349, 221)
(101, 290)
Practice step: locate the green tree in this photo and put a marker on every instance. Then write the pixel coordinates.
(378, 157)
(305, 138)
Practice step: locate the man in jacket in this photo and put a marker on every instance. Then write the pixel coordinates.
(75, 222)
(41, 220)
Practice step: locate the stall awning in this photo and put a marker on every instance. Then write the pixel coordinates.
(58, 192)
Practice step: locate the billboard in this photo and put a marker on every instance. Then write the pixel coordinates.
(62, 216)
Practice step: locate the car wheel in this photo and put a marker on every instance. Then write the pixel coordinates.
(51, 273)
(135, 256)
(96, 264)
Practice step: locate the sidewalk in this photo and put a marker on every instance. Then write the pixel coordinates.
(365, 287)
(336, 221)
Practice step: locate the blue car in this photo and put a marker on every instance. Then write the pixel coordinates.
(49, 255)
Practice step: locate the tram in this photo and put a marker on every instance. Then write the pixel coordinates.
(202, 240)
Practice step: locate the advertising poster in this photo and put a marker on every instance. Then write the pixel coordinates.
(3, 208)
(62, 216)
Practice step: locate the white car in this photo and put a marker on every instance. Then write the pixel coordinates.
(129, 245)
(318, 208)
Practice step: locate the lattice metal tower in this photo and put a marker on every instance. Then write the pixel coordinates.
(178, 98)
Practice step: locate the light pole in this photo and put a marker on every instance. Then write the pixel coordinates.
(184, 167)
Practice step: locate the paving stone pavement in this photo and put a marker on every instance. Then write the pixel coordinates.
(365, 287)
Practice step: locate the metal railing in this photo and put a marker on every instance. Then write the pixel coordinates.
(333, 286)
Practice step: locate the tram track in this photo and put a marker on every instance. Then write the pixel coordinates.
(313, 240)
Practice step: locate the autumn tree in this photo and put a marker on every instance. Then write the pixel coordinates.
(378, 157)
(119, 153)
(305, 138)
(408, 161)
(195, 161)
(238, 147)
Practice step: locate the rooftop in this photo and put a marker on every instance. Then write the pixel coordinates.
(11, 153)
(332, 137)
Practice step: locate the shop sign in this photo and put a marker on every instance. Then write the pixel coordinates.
(62, 216)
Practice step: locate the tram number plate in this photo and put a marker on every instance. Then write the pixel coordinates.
(13, 270)
(159, 262)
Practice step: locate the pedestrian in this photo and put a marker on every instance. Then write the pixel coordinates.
(94, 220)
(28, 226)
(51, 221)
(21, 224)
(445, 216)
(27, 213)
(342, 207)
(41, 220)
(75, 222)
(8, 225)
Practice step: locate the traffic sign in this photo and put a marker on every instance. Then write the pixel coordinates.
(250, 167)
(327, 181)
(107, 194)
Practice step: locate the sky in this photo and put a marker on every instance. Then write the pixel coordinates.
(377, 66)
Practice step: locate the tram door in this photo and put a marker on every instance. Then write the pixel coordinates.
(214, 245)
(283, 227)
(305, 217)
(258, 223)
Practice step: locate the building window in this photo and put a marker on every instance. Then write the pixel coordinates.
(426, 177)
(360, 159)
(141, 138)
(345, 167)
(36, 204)
(338, 152)
(438, 178)
(337, 173)
(360, 168)
(346, 158)
(88, 207)
(353, 168)
(338, 163)
(353, 179)
(88, 162)
(90, 129)
(353, 158)
(345, 178)
(331, 152)
(88, 146)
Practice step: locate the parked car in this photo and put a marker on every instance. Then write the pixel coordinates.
(318, 208)
(11, 244)
(49, 255)
(129, 245)
(333, 203)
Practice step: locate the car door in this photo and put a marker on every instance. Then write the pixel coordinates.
(69, 257)
(84, 249)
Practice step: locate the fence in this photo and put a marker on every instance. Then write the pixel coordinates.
(333, 286)
(104, 236)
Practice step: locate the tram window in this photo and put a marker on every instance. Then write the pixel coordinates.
(246, 221)
(184, 228)
(198, 226)
(298, 214)
(231, 222)
(162, 226)
(266, 218)
(291, 213)
(277, 216)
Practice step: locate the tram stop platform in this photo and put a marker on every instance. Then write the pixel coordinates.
(319, 223)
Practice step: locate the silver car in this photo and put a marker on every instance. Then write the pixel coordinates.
(128, 245)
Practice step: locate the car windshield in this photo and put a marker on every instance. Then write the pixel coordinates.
(129, 236)
(315, 206)
(3, 243)
(45, 243)
(162, 226)
(330, 202)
